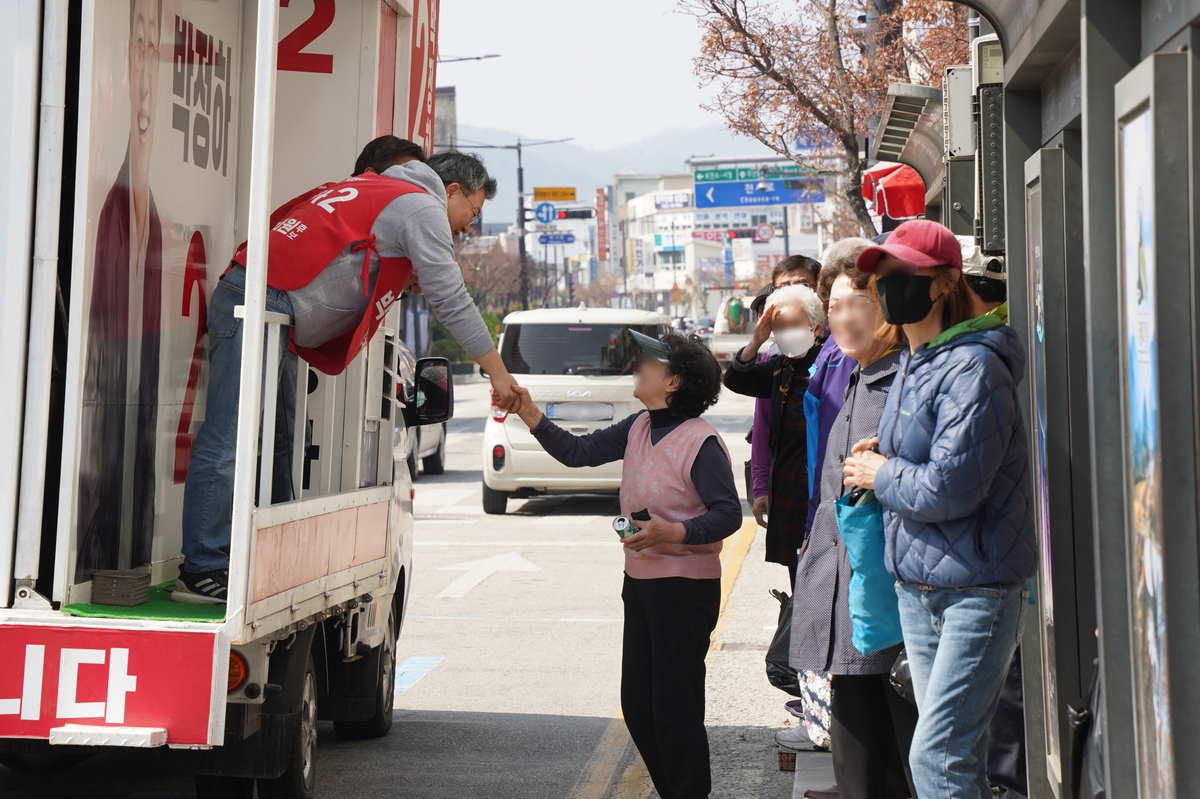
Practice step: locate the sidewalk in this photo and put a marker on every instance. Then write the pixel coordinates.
(744, 709)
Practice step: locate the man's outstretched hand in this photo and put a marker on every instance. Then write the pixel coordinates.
(504, 392)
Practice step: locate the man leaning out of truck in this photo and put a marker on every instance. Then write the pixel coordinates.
(339, 256)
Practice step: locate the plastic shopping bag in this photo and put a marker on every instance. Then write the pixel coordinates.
(779, 672)
(874, 609)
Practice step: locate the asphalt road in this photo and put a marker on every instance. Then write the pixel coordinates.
(509, 688)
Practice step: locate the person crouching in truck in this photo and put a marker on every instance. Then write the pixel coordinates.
(339, 256)
(677, 468)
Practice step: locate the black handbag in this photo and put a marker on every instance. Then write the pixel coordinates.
(901, 677)
(779, 670)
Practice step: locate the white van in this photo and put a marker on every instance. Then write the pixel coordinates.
(578, 366)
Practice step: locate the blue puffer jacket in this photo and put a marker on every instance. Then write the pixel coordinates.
(957, 502)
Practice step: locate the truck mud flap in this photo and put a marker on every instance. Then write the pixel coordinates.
(285, 674)
(264, 755)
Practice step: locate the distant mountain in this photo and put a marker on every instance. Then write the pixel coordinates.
(568, 164)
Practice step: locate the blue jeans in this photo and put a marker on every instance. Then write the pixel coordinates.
(960, 643)
(208, 493)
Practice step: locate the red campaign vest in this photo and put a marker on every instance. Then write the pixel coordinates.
(308, 232)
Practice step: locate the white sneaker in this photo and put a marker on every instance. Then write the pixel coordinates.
(796, 739)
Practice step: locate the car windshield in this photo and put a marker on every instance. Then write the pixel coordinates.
(573, 349)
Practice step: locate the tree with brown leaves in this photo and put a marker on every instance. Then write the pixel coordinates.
(489, 272)
(816, 72)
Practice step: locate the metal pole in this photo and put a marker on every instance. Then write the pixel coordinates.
(249, 394)
(787, 245)
(524, 266)
(25, 566)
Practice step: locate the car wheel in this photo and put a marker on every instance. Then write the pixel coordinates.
(300, 779)
(495, 503)
(436, 463)
(412, 464)
(385, 691)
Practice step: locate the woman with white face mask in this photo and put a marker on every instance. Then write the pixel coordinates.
(796, 316)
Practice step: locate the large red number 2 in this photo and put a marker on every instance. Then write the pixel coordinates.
(290, 58)
(194, 274)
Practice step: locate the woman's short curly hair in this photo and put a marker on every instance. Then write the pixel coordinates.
(699, 375)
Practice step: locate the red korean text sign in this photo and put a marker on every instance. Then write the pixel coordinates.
(51, 676)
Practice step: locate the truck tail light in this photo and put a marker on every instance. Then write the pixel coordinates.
(239, 670)
(498, 413)
(498, 457)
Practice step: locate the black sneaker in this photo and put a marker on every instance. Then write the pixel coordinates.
(205, 588)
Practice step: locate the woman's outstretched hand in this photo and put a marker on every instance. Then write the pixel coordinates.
(654, 532)
(526, 408)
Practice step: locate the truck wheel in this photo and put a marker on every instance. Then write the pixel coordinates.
(495, 502)
(300, 779)
(436, 463)
(385, 691)
(210, 787)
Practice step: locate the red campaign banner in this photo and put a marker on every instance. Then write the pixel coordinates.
(52, 676)
(422, 82)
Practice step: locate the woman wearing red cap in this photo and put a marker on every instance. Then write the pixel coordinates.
(950, 469)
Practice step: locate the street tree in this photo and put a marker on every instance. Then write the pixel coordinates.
(489, 272)
(808, 78)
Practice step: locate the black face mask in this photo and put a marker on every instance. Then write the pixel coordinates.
(904, 298)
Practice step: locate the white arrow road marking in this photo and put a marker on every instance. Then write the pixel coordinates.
(479, 570)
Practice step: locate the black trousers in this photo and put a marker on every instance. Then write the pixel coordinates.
(1006, 738)
(871, 733)
(668, 622)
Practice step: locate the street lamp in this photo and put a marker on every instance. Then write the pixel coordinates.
(524, 266)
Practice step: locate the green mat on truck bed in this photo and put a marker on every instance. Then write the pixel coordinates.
(157, 607)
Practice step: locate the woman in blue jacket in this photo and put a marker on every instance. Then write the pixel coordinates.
(950, 469)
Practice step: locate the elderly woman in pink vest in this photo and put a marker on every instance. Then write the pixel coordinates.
(677, 469)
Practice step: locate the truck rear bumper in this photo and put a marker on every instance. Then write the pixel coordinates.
(84, 683)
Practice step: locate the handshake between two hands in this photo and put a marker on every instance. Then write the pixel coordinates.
(508, 396)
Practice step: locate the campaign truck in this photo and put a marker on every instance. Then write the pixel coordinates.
(144, 141)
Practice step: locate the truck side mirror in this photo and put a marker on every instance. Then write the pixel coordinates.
(432, 399)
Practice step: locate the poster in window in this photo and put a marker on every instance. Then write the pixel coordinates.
(155, 209)
(1143, 480)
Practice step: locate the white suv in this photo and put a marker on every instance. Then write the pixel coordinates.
(578, 366)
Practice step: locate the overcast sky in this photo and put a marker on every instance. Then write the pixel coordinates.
(606, 73)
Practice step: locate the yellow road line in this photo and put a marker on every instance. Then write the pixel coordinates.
(735, 556)
(601, 769)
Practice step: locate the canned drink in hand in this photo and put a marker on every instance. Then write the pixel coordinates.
(624, 526)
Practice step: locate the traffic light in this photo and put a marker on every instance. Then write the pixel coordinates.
(576, 213)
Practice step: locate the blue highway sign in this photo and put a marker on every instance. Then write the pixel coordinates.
(556, 238)
(545, 213)
(744, 194)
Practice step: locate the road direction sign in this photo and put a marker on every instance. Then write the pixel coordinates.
(556, 238)
(765, 232)
(558, 194)
(546, 213)
(755, 173)
(746, 193)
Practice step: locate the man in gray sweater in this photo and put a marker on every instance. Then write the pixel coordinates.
(339, 256)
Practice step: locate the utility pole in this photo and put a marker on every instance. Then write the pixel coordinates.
(523, 258)
(787, 248)
(523, 261)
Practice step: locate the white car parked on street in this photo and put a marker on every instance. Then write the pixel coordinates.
(578, 366)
